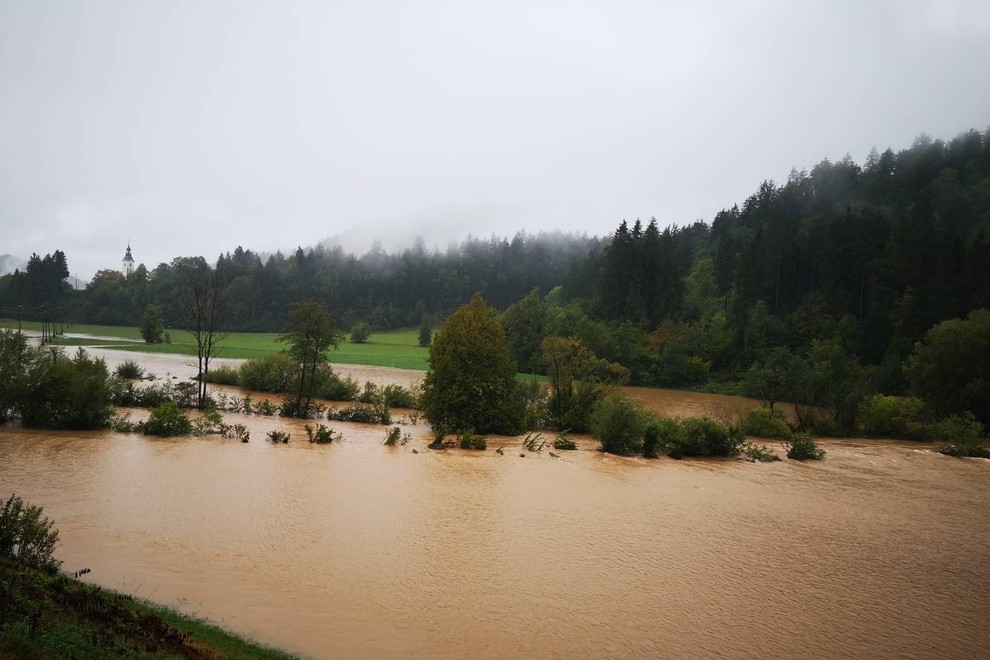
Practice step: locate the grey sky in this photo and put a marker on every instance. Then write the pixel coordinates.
(193, 127)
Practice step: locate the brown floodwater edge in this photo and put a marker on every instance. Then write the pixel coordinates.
(356, 549)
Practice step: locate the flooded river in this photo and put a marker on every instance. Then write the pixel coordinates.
(358, 550)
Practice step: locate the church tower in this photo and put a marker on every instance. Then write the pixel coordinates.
(128, 263)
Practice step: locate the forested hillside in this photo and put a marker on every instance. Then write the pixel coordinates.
(846, 266)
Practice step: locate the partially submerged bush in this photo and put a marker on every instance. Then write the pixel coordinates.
(293, 406)
(265, 408)
(534, 442)
(803, 448)
(209, 423)
(129, 369)
(53, 391)
(702, 436)
(392, 435)
(321, 435)
(651, 441)
(331, 386)
(122, 424)
(764, 423)
(904, 417)
(236, 432)
(759, 454)
(224, 375)
(618, 424)
(439, 440)
(278, 437)
(393, 396)
(167, 420)
(537, 404)
(470, 440)
(276, 372)
(577, 416)
(397, 396)
(963, 435)
(564, 442)
(26, 535)
(814, 421)
(363, 414)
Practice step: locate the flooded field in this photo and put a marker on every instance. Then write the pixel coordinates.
(359, 550)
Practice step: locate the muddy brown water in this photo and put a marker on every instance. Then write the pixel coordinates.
(359, 550)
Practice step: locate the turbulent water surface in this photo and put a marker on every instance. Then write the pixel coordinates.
(360, 550)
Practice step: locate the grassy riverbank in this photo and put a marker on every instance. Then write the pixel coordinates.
(392, 348)
(45, 616)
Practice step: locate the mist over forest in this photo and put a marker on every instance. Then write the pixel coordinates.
(868, 257)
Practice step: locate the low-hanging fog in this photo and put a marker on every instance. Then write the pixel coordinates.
(190, 128)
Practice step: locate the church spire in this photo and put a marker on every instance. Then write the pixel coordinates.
(128, 263)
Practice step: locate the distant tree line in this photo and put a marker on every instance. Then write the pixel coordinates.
(818, 289)
(383, 290)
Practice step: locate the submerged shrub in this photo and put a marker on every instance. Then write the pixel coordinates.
(651, 441)
(536, 397)
(321, 435)
(265, 408)
(904, 417)
(618, 424)
(702, 436)
(392, 435)
(209, 423)
(363, 414)
(331, 386)
(26, 535)
(167, 420)
(763, 423)
(565, 443)
(276, 372)
(293, 406)
(123, 424)
(963, 435)
(278, 437)
(397, 396)
(58, 392)
(129, 369)
(803, 448)
(470, 440)
(759, 454)
(236, 432)
(224, 375)
(370, 394)
(534, 442)
(577, 416)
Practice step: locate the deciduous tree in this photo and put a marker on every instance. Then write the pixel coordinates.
(309, 330)
(471, 383)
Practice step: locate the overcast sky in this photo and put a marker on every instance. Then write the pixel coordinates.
(194, 127)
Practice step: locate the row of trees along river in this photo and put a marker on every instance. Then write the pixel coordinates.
(835, 285)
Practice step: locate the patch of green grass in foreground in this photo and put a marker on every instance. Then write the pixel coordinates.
(46, 616)
(390, 348)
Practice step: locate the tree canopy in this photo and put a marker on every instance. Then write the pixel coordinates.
(471, 383)
(310, 330)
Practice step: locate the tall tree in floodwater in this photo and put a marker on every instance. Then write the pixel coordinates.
(310, 330)
(200, 299)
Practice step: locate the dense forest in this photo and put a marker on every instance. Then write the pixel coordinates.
(847, 265)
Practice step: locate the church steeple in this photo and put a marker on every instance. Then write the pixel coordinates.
(128, 263)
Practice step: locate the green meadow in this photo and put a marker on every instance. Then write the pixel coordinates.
(390, 348)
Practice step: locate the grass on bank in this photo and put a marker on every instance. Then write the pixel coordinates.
(391, 348)
(47, 616)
